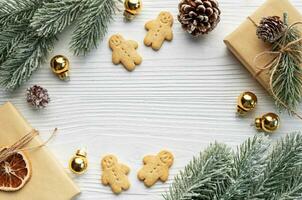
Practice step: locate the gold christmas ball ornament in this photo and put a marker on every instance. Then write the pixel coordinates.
(269, 122)
(247, 101)
(60, 66)
(132, 8)
(79, 163)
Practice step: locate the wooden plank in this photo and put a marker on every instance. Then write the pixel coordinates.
(181, 98)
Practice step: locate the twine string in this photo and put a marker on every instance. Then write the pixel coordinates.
(273, 64)
(21, 143)
(252, 21)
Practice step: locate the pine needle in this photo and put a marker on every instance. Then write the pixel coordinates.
(258, 171)
(28, 29)
(287, 79)
(249, 163)
(26, 57)
(12, 11)
(91, 18)
(292, 190)
(92, 25)
(10, 37)
(205, 176)
(54, 17)
(282, 175)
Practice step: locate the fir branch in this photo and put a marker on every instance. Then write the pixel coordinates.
(287, 79)
(293, 189)
(25, 59)
(282, 176)
(11, 36)
(257, 171)
(28, 28)
(249, 164)
(12, 11)
(204, 176)
(54, 17)
(21, 51)
(92, 25)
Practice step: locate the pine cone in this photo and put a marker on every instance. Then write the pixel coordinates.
(37, 96)
(198, 17)
(270, 29)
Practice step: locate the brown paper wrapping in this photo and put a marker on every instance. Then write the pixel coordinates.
(245, 45)
(49, 181)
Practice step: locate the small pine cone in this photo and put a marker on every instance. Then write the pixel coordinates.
(198, 17)
(270, 29)
(37, 96)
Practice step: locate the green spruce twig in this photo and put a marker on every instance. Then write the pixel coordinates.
(249, 163)
(205, 176)
(257, 171)
(25, 58)
(282, 175)
(18, 56)
(92, 25)
(11, 36)
(287, 78)
(91, 19)
(12, 11)
(292, 190)
(53, 17)
(28, 29)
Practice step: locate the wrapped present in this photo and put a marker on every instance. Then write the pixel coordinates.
(245, 45)
(48, 179)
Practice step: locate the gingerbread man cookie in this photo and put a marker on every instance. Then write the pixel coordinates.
(124, 51)
(156, 168)
(159, 30)
(115, 174)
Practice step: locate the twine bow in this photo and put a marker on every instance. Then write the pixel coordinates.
(21, 143)
(273, 64)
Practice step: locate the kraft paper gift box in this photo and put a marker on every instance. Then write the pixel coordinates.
(245, 45)
(49, 181)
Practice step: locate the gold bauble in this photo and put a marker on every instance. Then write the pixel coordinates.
(247, 101)
(269, 122)
(79, 163)
(132, 8)
(60, 66)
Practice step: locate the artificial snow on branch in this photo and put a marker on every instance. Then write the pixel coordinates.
(256, 171)
(91, 19)
(28, 30)
(205, 176)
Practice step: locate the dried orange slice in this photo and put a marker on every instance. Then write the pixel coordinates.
(15, 172)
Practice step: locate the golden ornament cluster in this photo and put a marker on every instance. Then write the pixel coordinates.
(247, 102)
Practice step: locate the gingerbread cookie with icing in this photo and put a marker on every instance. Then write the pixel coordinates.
(156, 168)
(159, 30)
(115, 174)
(124, 52)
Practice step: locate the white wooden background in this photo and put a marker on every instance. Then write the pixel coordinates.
(180, 98)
